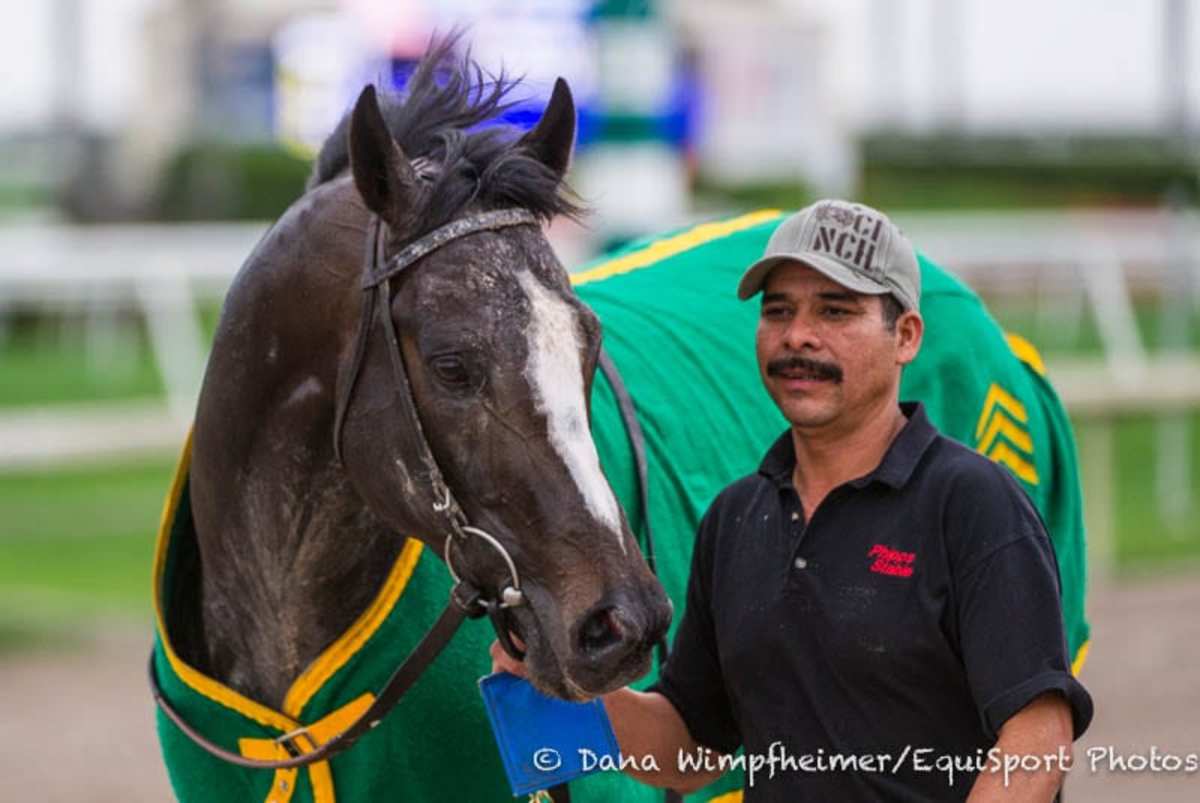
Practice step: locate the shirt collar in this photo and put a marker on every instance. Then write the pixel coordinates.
(894, 470)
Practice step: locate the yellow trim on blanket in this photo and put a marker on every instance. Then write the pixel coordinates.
(1081, 657)
(317, 734)
(337, 654)
(1026, 352)
(672, 246)
(728, 797)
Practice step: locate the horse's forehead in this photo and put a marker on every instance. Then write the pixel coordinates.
(491, 272)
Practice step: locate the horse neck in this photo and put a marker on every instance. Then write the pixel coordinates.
(290, 557)
(290, 554)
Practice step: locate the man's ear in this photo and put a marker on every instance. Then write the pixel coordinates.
(910, 328)
(382, 173)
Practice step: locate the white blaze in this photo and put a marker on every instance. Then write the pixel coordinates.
(555, 374)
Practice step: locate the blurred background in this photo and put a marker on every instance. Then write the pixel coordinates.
(1046, 152)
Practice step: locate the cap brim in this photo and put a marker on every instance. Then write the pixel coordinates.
(756, 275)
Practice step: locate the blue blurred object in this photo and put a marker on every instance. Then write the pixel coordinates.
(543, 741)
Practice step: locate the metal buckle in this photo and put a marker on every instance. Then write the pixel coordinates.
(286, 741)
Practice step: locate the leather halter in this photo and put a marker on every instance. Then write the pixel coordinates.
(466, 599)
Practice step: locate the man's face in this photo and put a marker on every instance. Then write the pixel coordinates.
(825, 353)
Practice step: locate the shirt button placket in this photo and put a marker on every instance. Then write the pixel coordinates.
(799, 562)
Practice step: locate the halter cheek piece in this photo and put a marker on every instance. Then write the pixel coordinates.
(377, 295)
(466, 599)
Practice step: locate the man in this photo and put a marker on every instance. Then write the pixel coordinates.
(875, 592)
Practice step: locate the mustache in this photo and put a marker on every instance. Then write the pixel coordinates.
(819, 370)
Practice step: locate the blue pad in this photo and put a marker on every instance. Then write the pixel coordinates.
(543, 741)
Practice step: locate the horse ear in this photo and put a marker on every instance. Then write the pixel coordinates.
(553, 139)
(382, 172)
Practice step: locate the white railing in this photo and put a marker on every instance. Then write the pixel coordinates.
(1081, 259)
(1077, 260)
(162, 270)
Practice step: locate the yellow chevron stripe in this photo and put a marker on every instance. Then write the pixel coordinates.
(1026, 352)
(997, 395)
(1005, 456)
(1001, 425)
(672, 246)
(728, 797)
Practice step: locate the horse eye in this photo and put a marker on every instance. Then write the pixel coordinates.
(451, 370)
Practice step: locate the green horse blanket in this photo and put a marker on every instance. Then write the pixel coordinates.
(684, 347)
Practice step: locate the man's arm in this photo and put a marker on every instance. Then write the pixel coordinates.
(1010, 632)
(646, 724)
(1043, 729)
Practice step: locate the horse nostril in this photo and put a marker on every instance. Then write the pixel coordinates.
(601, 631)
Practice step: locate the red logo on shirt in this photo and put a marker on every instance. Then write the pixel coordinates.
(891, 561)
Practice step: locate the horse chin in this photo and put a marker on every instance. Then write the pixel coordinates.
(633, 669)
(554, 680)
(557, 684)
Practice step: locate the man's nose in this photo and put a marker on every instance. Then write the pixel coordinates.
(802, 334)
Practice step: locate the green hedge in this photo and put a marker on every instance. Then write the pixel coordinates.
(216, 181)
(948, 171)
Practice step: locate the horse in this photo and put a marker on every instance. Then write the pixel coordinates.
(676, 412)
(401, 360)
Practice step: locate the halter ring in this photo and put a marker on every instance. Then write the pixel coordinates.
(511, 595)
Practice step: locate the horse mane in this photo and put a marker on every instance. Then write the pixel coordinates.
(433, 120)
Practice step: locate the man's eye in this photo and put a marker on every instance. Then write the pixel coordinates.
(774, 312)
(836, 312)
(451, 370)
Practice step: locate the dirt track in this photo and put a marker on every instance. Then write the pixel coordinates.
(76, 725)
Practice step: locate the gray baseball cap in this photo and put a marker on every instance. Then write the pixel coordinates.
(854, 245)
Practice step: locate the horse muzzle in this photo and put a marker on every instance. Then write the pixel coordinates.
(611, 644)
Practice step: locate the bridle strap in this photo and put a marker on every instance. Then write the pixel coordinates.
(637, 442)
(400, 682)
(370, 259)
(454, 230)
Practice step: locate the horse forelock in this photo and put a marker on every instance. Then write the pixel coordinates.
(448, 121)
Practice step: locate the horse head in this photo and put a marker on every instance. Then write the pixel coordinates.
(498, 356)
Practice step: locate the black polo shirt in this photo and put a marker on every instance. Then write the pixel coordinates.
(918, 609)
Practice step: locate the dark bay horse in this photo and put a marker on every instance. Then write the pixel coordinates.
(294, 542)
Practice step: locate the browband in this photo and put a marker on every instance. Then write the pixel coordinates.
(485, 221)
